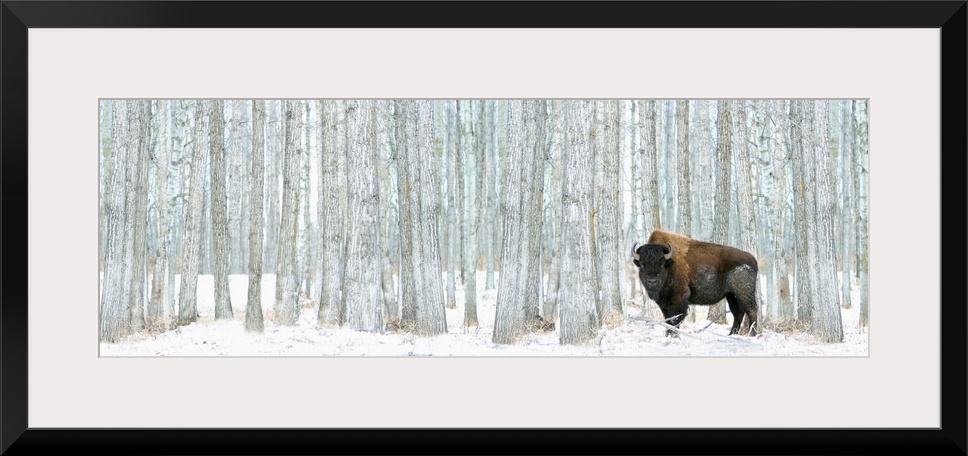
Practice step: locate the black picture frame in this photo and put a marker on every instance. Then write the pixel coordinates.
(17, 17)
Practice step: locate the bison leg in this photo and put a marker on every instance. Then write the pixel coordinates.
(742, 308)
(674, 314)
(751, 316)
(742, 299)
(738, 313)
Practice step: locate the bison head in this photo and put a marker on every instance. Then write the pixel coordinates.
(653, 261)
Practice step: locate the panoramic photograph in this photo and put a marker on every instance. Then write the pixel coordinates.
(483, 228)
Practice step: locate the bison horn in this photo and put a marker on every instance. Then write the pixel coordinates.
(635, 255)
(669, 255)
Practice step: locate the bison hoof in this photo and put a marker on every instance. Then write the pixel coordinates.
(671, 333)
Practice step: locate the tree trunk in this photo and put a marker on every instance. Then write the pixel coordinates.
(803, 205)
(684, 207)
(159, 292)
(424, 310)
(453, 129)
(205, 218)
(334, 191)
(389, 207)
(138, 140)
(636, 162)
(490, 178)
(479, 203)
(115, 317)
(468, 207)
(238, 183)
(848, 217)
(308, 254)
(321, 203)
(187, 305)
(275, 144)
(861, 144)
(179, 128)
(784, 309)
(286, 307)
(409, 195)
(827, 319)
(766, 193)
(578, 288)
(223, 304)
(818, 307)
(607, 216)
(454, 192)
(551, 252)
(501, 127)
(650, 177)
(744, 193)
(666, 121)
(685, 190)
(253, 309)
(536, 113)
(518, 294)
(718, 311)
(106, 139)
(703, 154)
(509, 320)
(361, 282)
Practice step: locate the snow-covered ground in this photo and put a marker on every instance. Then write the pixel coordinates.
(637, 337)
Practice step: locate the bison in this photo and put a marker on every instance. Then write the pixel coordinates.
(677, 270)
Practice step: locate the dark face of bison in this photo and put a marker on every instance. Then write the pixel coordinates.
(653, 261)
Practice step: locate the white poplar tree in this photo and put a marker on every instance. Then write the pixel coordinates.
(578, 290)
(362, 285)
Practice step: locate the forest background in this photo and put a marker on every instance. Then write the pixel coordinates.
(356, 200)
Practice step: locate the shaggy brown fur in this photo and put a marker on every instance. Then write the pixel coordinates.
(697, 272)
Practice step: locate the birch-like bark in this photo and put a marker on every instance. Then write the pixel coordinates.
(848, 215)
(745, 191)
(362, 283)
(551, 251)
(685, 189)
(223, 304)
(389, 208)
(286, 305)
(861, 152)
(607, 199)
(454, 192)
(159, 292)
(518, 293)
(115, 318)
(187, 305)
(717, 312)
(668, 183)
(782, 229)
(423, 307)
(139, 131)
(490, 183)
(767, 193)
(470, 173)
(275, 140)
(105, 139)
(578, 290)
(253, 309)
(234, 194)
(650, 166)
(801, 114)
(705, 157)
(827, 324)
(334, 215)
